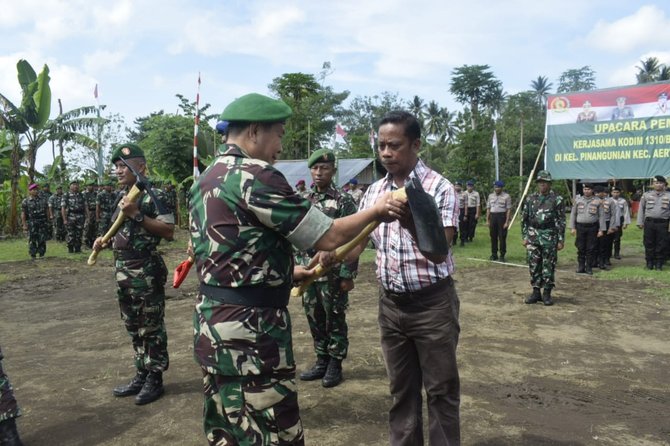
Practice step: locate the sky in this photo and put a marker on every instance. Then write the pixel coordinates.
(141, 53)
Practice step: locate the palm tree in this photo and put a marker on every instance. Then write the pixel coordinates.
(664, 73)
(418, 108)
(541, 87)
(648, 70)
(477, 87)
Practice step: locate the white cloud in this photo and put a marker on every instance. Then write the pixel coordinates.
(647, 27)
(102, 60)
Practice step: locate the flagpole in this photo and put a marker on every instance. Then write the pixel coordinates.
(99, 168)
(495, 153)
(196, 121)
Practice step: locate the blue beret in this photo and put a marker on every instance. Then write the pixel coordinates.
(222, 127)
(498, 184)
(660, 179)
(255, 107)
(321, 156)
(470, 183)
(127, 151)
(353, 181)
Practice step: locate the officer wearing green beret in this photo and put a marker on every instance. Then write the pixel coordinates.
(73, 211)
(543, 235)
(326, 300)
(140, 276)
(245, 217)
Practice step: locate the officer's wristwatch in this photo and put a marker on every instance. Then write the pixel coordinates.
(139, 217)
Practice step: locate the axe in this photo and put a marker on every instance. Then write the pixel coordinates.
(429, 230)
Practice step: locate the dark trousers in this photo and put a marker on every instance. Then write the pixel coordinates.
(498, 232)
(616, 238)
(586, 240)
(419, 335)
(605, 244)
(655, 239)
(462, 226)
(471, 222)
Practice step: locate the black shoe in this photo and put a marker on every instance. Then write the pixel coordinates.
(659, 266)
(601, 264)
(462, 242)
(617, 256)
(333, 374)
(317, 371)
(493, 257)
(9, 436)
(70, 249)
(581, 266)
(650, 265)
(133, 387)
(608, 262)
(151, 390)
(546, 297)
(502, 258)
(535, 297)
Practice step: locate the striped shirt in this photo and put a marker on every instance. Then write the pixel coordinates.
(400, 265)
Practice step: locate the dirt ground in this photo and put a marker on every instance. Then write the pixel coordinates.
(591, 370)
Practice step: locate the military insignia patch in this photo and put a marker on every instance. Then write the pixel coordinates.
(125, 151)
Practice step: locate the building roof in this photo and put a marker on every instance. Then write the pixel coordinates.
(347, 168)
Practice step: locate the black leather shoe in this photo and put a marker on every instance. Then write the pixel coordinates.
(535, 297)
(502, 258)
(333, 374)
(493, 257)
(546, 297)
(659, 266)
(317, 371)
(650, 265)
(151, 390)
(9, 436)
(133, 387)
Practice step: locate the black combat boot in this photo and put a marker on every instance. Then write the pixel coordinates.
(617, 254)
(317, 371)
(581, 265)
(133, 387)
(546, 297)
(588, 269)
(493, 257)
(601, 263)
(151, 390)
(9, 436)
(659, 266)
(608, 262)
(535, 297)
(502, 257)
(650, 265)
(333, 374)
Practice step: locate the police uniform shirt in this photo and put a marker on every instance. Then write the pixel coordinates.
(499, 202)
(654, 205)
(624, 210)
(587, 210)
(611, 211)
(472, 199)
(462, 195)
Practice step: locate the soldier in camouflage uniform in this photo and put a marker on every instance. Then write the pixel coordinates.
(91, 224)
(73, 210)
(171, 197)
(104, 207)
(326, 300)
(55, 214)
(140, 278)
(45, 194)
(244, 217)
(543, 235)
(9, 411)
(35, 217)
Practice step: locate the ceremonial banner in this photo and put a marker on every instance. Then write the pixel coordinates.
(613, 133)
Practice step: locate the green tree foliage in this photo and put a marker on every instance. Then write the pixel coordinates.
(315, 109)
(478, 88)
(82, 158)
(652, 70)
(541, 87)
(577, 79)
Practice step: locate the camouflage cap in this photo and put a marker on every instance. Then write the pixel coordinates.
(126, 151)
(321, 156)
(255, 107)
(543, 175)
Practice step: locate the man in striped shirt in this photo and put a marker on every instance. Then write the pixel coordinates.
(418, 305)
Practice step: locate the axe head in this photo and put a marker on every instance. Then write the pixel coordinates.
(429, 230)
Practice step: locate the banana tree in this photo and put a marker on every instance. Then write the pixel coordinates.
(27, 120)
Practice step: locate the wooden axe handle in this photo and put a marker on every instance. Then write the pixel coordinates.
(344, 250)
(132, 196)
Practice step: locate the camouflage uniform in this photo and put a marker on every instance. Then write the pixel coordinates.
(105, 202)
(91, 224)
(45, 195)
(171, 198)
(140, 278)
(244, 218)
(543, 226)
(75, 214)
(8, 406)
(58, 225)
(325, 305)
(35, 209)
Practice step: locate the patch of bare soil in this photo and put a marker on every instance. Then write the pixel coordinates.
(591, 370)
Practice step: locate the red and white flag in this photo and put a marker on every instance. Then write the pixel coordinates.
(340, 134)
(372, 140)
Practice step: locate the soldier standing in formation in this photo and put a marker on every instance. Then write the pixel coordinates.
(242, 244)
(473, 209)
(171, 198)
(55, 214)
(611, 215)
(543, 235)
(653, 217)
(73, 210)
(105, 203)
(355, 191)
(91, 224)
(498, 209)
(462, 228)
(140, 277)
(326, 300)
(301, 189)
(587, 222)
(9, 411)
(624, 220)
(45, 194)
(35, 218)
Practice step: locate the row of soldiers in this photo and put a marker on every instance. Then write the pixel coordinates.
(73, 215)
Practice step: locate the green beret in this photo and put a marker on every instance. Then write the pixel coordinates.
(127, 151)
(321, 156)
(255, 107)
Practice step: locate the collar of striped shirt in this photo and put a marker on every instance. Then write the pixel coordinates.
(400, 265)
